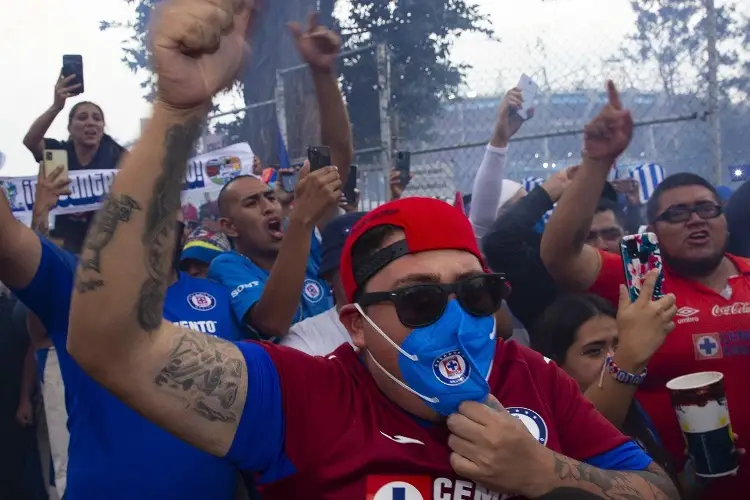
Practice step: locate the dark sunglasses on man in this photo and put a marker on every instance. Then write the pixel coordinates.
(422, 304)
(677, 214)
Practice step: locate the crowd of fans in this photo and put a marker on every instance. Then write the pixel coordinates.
(286, 345)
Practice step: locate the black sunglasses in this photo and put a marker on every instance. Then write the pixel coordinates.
(683, 213)
(422, 304)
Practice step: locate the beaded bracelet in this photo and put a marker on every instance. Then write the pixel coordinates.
(619, 374)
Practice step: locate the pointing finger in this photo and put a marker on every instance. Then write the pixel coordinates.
(614, 96)
(295, 30)
(312, 22)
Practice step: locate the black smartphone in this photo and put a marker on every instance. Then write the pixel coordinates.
(351, 186)
(288, 181)
(72, 64)
(403, 165)
(319, 156)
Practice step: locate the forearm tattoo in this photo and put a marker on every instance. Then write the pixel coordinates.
(582, 482)
(116, 209)
(158, 234)
(205, 372)
(40, 221)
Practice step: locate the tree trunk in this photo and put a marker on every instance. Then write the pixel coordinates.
(273, 49)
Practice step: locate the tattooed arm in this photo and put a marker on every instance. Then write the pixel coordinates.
(569, 479)
(189, 383)
(570, 262)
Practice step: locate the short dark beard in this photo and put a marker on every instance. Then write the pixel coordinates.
(693, 268)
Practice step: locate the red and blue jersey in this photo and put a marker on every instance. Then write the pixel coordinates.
(114, 452)
(319, 427)
(712, 334)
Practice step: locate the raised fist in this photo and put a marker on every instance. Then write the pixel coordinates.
(198, 48)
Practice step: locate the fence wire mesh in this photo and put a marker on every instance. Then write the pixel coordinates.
(689, 116)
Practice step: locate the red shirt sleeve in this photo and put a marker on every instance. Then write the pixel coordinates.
(611, 276)
(583, 431)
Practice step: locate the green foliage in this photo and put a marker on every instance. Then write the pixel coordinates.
(419, 34)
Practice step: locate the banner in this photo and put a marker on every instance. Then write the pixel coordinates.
(205, 173)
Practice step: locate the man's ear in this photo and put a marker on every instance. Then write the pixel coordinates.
(227, 227)
(353, 321)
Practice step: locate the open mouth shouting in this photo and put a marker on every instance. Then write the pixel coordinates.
(273, 224)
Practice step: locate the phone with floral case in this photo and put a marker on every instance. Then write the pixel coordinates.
(640, 254)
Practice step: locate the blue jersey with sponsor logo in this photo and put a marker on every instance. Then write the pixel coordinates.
(114, 452)
(320, 427)
(246, 281)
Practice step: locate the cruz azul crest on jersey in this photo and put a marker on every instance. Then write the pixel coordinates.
(201, 301)
(451, 368)
(312, 290)
(532, 421)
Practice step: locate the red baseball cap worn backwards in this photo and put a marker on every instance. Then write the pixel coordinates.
(428, 223)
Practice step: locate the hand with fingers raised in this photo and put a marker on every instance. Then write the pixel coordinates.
(318, 46)
(609, 133)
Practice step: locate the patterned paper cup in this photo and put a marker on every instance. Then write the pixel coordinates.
(701, 406)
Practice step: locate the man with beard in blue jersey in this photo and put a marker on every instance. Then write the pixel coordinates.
(114, 452)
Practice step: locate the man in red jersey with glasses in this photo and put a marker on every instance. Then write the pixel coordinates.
(355, 424)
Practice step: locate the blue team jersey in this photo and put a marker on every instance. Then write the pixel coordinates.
(114, 452)
(246, 280)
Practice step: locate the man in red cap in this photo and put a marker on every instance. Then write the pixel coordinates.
(414, 414)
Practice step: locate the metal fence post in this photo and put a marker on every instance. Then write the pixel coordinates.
(281, 106)
(383, 57)
(714, 120)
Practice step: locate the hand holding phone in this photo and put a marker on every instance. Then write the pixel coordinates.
(403, 166)
(641, 254)
(319, 157)
(72, 73)
(54, 159)
(529, 89)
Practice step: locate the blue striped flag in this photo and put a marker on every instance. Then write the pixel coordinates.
(529, 183)
(648, 175)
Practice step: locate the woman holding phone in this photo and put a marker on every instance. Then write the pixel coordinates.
(88, 148)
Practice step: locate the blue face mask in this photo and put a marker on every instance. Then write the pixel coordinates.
(447, 362)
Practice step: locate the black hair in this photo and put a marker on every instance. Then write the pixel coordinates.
(221, 200)
(674, 181)
(77, 105)
(555, 330)
(368, 244)
(605, 205)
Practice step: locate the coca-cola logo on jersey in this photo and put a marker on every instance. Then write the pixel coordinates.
(732, 310)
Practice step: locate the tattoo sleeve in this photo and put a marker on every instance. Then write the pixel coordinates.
(158, 234)
(580, 481)
(114, 211)
(205, 373)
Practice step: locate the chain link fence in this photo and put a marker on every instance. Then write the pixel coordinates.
(293, 116)
(686, 118)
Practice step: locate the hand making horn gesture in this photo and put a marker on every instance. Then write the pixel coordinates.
(198, 48)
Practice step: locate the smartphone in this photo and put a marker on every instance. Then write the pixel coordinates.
(72, 64)
(54, 158)
(640, 254)
(319, 156)
(351, 186)
(288, 180)
(403, 165)
(529, 89)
